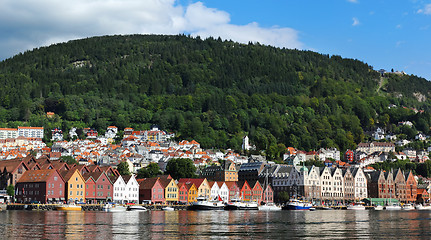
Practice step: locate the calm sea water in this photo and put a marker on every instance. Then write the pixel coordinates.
(332, 224)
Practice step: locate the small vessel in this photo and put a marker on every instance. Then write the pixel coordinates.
(422, 207)
(356, 206)
(238, 204)
(393, 206)
(69, 207)
(203, 204)
(168, 208)
(114, 208)
(269, 207)
(296, 204)
(137, 208)
(378, 207)
(407, 206)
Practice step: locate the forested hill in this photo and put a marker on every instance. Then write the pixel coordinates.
(210, 90)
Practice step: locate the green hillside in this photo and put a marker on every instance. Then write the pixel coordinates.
(210, 90)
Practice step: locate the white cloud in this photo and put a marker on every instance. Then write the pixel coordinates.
(355, 22)
(353, 1)
(426, 10)
(27, 24)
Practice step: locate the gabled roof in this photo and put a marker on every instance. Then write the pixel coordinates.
(230, 184)
(67, 174)
(197, 181)
(147, 183)
(38, 175)
(12, 165)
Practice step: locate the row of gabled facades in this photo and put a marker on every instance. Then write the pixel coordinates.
(335, 185)
(164, 189)
(43, 180)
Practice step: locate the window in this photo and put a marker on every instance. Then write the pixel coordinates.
(55, 178)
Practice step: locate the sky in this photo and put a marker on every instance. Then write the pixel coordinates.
(385, 34)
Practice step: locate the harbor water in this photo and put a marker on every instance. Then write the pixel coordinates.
(324, 224)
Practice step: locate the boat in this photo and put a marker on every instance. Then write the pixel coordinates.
(114, 208)
(168, 208)
(422, 207)
(378, 207)
(238, 204)
(407, 206)
(69, 207)
(137, 208)
(265, 205)
(393, 206)
(269, 207)
(356, 206)
(202, 203)
(295, 204)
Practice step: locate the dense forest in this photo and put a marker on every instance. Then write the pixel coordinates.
(209, 90)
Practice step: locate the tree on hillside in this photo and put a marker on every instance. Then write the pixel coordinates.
(152, 170)
(123, 168)
(181, 168)
(68, 159)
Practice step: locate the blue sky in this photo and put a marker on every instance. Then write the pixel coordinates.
(385, 34)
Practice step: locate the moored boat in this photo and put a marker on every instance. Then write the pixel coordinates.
(356, 206)
(422, 207)
(393, 207)
(114, 208)
(296, 204)
(237, 204)
(168, 208)
(378, 207)
(69, 207)
(137, 208)
(407, 206)
(203, 204)
(269, 207)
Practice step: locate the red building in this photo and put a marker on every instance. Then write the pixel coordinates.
(234, 191)
(256, 191)
(183, 193)
(268, 194)
(90, 188)
(150, 189)
(40, 185)
(245, 190)
(349, 156)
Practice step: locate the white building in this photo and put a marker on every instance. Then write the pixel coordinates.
(119, 189)
(360, 183)
(36, 132)
(8, 133)
(131, 193)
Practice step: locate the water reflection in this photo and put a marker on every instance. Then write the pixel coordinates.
(336, 224)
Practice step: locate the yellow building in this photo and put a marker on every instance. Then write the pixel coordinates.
(75, 185)
(171, 189)
(192, 192)
(202, 186)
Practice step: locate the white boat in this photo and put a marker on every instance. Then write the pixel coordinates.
(407, 206)
(269, 207)
(422, 207)
(114, 208)
(378, 208)
(356, 206)
(69, 207)
(203, 204)
(137, 208)
(238, 204)
(167, 208)
(393, 206)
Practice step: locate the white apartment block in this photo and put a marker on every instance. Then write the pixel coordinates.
(36, 132)
(8, 133)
